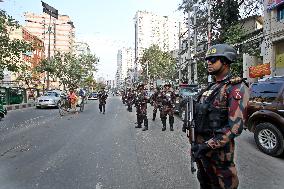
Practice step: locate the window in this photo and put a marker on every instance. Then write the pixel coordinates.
(280, 13)
(265, 92)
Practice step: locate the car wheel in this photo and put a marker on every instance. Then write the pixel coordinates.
(58, 103)
(269, 139)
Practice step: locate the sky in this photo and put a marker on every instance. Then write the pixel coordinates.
(106, 25)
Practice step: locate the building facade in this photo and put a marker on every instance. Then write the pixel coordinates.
(62, 31)
(30, 59)
(125, 63)
(152, 29)
(273, 43)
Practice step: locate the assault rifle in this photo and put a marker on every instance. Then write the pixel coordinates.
(190, 128)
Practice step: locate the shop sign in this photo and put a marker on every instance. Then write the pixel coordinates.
(272, 4)
(280, 61)
(259, 70)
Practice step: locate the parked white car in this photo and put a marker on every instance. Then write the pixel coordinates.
(49, 99)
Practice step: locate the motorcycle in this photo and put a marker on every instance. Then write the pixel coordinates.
(3, 110)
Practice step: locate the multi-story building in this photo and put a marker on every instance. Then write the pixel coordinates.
(273, 44)
(30, 59)
(153, 29)
(125, 63)
(61, 30)
(58, 34)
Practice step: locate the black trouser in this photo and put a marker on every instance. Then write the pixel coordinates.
(102, 108)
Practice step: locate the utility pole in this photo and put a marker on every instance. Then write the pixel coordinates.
(48, 53)
(189, 48)
(179, 53)
(195, 45)
(52, 12)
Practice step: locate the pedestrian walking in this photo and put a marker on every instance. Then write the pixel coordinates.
(102, 100)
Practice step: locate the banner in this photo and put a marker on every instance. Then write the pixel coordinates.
(260, 70)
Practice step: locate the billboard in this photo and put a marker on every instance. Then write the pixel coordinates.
(272, 4)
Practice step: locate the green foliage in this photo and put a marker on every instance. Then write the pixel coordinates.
(226, 28)
(161, 65)
(11, 49)
(71, 70)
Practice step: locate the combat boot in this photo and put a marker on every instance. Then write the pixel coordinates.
(145, 125)
(171, 122)
(164, 124)
(154, 116)
(138, 126)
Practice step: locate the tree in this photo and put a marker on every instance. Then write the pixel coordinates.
(227, 28)
(71, 70)
(11, 49)
(161, 65)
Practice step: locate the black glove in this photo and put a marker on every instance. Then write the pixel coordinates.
(199, 150)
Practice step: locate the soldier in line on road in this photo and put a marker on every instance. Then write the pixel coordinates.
(167, 98)
(141, 107)
(156, 102)
(102, 100)
(130, 99)
(219, 118)
(123, 96)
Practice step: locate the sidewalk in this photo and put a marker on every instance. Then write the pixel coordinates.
(19, 106)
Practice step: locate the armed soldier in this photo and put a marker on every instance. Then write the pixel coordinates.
(141, 107)
(167, 99)
(102, 100)
(130, 99)
(218, 119)
(156, 102)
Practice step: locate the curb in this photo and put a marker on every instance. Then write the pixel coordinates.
(19, 106)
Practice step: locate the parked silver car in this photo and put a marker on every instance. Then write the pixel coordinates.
(49, 99)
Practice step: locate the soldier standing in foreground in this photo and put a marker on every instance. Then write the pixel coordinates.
(167, 99)
(141, 107)
(102, 100)
(219, 118)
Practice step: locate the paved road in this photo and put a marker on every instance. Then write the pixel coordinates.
(40, 149)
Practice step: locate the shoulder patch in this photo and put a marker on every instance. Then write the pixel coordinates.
(236, 80)
(237, 94)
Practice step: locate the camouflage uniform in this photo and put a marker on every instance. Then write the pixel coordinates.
(219, 118)
(130, 99)
(156, 102)
(102, 101)
(167, 99)
(141, 108)
(123, 94)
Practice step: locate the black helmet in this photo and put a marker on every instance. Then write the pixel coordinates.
(140, 85)
(167, 84)
(222, 50)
